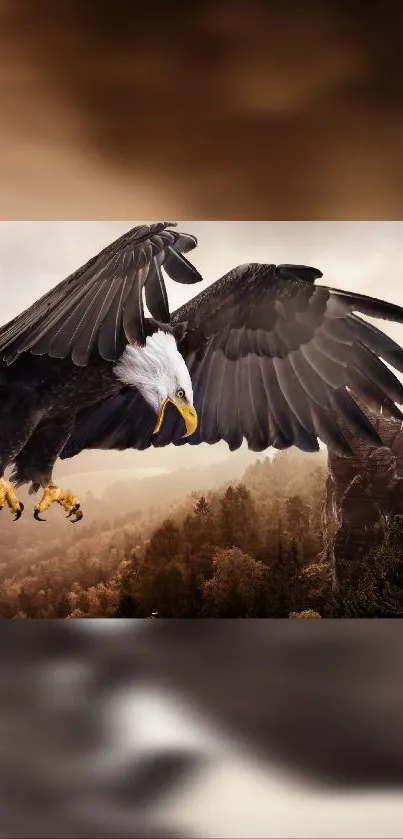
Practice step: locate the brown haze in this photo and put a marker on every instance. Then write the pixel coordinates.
(221, 109)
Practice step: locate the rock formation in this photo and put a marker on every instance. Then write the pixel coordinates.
(362, 494)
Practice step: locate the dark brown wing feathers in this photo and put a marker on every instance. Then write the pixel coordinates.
(100, 307)
(277, 360)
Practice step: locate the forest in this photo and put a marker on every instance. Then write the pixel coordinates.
(251, 548)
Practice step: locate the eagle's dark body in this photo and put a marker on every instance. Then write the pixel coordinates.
(52, 384)
(273, 358)
(46, 395)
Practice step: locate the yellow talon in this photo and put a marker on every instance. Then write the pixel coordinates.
(66, 499)
(8, 496)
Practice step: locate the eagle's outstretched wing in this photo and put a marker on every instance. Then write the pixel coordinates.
(274, 359)
(100, 306)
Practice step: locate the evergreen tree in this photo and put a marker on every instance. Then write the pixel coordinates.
(162, 578)
(126, 606)
(277, 583)
(297, 515)
(25, 603)
(227, 518)
(165, 544)
(285, 582)
(238, 520)
(235, 589)
(199, 528)
(317, 594)
(295, 578)
(62, 607)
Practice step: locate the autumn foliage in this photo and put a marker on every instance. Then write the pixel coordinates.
(248, 549)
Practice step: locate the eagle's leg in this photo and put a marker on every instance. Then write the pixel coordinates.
(66, 499)
(13, 438)
(8, 496)
(35, 464)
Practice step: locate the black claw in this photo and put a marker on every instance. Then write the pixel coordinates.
(73, 510)
(76, 509)
(19, 512)
(37, 516)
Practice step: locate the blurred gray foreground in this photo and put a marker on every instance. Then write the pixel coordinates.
(178, 728)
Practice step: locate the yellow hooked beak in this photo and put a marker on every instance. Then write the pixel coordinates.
(187, 412)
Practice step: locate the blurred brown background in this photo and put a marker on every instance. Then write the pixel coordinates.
(228, 110)
(222, 109)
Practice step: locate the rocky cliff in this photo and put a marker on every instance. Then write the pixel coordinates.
(362, 493)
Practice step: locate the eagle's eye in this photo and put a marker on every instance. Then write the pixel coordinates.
(180, 393)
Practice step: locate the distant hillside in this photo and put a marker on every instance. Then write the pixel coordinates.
(169, 459)
(116, 499)
(125, 496)
(145, 539)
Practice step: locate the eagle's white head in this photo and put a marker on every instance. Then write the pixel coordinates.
(159, 373)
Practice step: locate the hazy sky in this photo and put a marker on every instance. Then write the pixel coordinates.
(361, 256)
(365, 256)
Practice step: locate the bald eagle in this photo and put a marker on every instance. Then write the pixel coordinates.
(264, 354)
